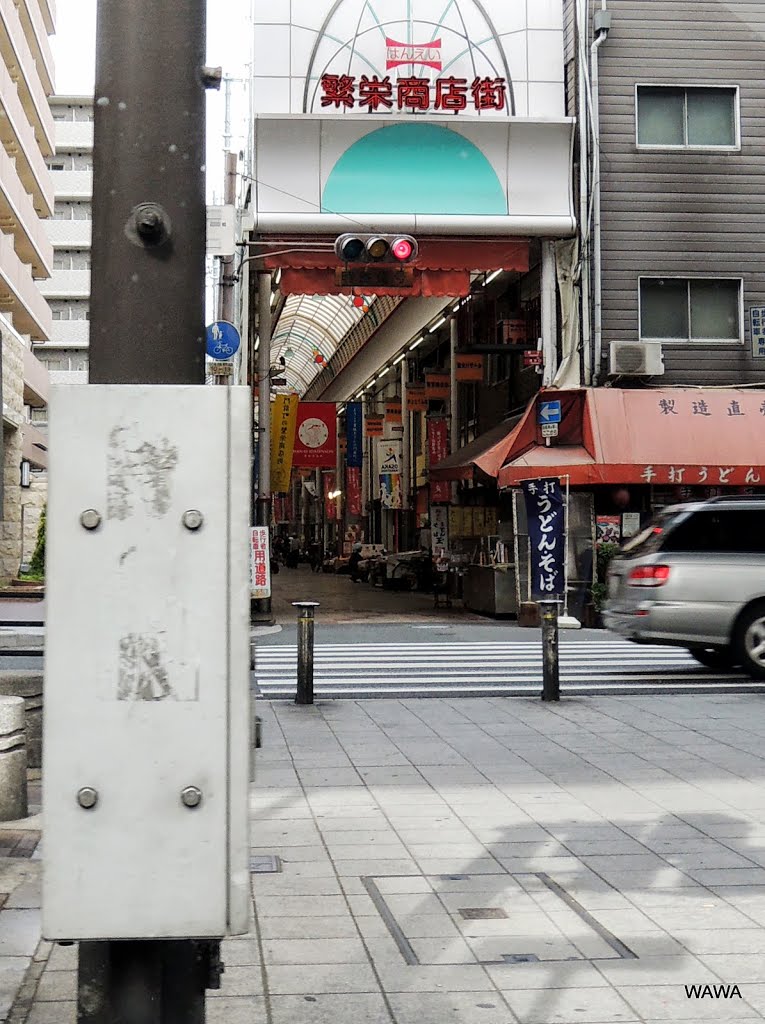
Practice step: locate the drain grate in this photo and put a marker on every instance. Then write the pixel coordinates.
(266, 864)
(482, 913)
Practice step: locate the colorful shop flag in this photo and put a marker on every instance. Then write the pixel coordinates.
(469, 368)
(393, 411)
(416, 398)
(316, 435)
(330, 504)
(353, 490)
(438, 384)
(354, 431)
(389, 463)
(438, 449)
(260, 563)
(546, 518)
(373, 426)
(283, 422)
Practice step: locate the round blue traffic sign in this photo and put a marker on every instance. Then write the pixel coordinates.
(222, 340)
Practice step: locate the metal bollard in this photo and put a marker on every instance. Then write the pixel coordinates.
(550, 660)
(304, 693)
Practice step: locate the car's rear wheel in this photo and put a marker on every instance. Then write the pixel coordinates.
(750, 640)
(718, 658)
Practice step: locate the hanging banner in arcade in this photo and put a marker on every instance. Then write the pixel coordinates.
(389, 462)
(330, 504)
(438, 449)
(354, 430)
(438, 384)
(374, 426)
(416, 398)
(353, 490)
(546, 517)
(393, 411)
(283, 422)
(316, 435)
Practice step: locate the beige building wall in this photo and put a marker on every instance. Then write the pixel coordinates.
(26, 257)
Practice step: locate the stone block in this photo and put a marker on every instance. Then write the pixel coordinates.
(13, 760)
(27, 684)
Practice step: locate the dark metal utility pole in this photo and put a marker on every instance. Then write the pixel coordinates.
(149, 215)
(147, 327)
(550, 660)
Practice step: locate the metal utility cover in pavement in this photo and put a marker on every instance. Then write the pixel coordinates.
(267, 864)
(533, 919)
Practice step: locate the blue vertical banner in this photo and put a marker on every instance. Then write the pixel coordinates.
(547, 523)
(354, 432)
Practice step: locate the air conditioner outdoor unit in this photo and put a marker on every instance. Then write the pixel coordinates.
(636, 359)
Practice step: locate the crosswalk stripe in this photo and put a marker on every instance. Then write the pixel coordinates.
(488, 668)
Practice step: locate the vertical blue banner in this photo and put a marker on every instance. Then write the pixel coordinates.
(354, 428)
(547, 523)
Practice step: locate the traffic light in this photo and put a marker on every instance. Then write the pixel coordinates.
(391, 249)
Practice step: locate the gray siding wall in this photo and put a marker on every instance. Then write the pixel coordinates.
(683, 213)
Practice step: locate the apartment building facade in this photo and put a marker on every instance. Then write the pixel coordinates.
(26, 257)
(65, 354)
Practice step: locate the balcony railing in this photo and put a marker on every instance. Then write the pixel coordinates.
(17, 53)
(67, 284)
(38, 20)
(74, 136)
(69, 234)
(20, 296)
(19, 140)
(35, 380)
(72, 184)
(19, 217)
(69, 334)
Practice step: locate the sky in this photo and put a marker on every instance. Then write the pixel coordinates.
(228, 45)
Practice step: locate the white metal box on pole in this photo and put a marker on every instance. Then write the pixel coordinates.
(146, 737)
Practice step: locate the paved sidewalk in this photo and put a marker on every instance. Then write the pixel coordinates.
(496, 861)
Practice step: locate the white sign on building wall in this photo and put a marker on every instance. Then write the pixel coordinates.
(493, 58)
(428, 116)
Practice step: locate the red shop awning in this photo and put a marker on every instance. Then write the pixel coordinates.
(682, 436)
(481, 458)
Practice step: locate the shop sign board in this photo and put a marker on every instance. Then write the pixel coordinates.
(546, 521)
(283, 424)
(757, 324)
(532, 357)
(469, 368)
(260, 563)
(439, 528)
(316, 435)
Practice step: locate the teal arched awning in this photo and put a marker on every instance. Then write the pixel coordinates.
(414, 169)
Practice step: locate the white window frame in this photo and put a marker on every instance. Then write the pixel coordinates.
(694, 342)
(685, 147)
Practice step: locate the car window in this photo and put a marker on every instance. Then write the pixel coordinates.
(719, 530)
(651, 536)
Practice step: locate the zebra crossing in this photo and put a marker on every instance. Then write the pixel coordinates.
(476, 669)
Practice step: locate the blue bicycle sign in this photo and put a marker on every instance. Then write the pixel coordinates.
(222, 340)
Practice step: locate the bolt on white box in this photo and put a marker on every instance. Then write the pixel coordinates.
(146, 736)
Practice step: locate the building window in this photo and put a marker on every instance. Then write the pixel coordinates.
(695, 310)
(687, 118)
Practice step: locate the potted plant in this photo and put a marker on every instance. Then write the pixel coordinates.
(604, 552)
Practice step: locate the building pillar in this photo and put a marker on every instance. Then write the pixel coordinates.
(549, 314)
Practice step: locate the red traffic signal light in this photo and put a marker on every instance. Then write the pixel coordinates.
(390, 249)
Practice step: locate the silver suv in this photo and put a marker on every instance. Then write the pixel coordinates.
(695, 578)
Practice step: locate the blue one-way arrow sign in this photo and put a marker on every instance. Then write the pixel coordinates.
(550, 412)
